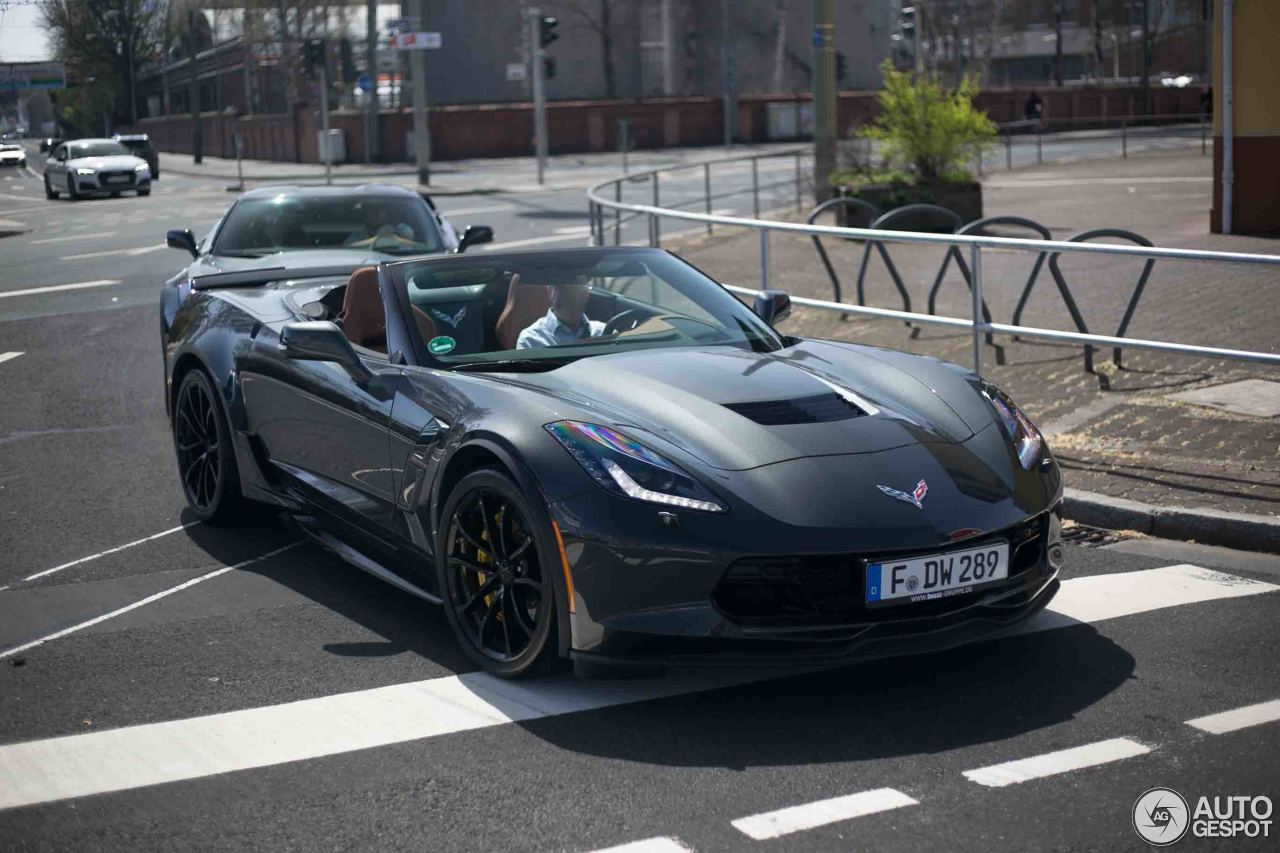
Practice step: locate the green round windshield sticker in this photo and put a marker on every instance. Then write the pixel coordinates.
(441, 345)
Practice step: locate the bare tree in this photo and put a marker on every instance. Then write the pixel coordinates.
(596, 16)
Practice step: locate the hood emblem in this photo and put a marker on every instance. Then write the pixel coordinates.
(452, 321)
(916, 497)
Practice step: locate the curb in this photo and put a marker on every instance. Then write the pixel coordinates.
(1209, 526)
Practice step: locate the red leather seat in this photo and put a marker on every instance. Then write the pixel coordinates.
(364, 321)
(525, 303)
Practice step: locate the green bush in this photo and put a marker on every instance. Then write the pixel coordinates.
(923, 128)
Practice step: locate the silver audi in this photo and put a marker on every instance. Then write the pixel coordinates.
(81, 167)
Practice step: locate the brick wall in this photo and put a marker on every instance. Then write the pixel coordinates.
(504, 130)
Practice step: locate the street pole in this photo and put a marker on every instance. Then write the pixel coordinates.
(197, 131)
(539, 92)
(371, 61)
(324, 119)
(726, 75)
(1146, 58)
(824, 95)
(421, 128)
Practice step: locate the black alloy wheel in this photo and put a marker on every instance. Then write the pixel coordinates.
(202, 440)
(496, 585)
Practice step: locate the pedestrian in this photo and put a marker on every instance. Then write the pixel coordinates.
(1033, 110)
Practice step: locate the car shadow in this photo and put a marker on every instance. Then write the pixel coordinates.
(406, 623)
(896, 707)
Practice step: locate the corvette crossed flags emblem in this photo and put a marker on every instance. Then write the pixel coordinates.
(916, 497)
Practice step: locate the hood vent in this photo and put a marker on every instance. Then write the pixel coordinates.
(819, 408)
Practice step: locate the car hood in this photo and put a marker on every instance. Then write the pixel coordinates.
(102, 164)
(683, 398)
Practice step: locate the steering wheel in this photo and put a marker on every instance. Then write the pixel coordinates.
(625, 321)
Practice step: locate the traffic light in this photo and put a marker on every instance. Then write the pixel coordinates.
(842, 67)
(348, 61)
(313, 54)
(547, 30)
(548, 67)
(907, 22)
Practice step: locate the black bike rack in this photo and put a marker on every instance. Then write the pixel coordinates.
(1074, 310)
(950, 224)
(865, 207)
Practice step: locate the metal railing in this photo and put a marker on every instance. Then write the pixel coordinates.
(977, 324)
(1120, 128)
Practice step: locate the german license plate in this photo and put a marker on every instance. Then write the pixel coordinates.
(118, 179)
(933, 576)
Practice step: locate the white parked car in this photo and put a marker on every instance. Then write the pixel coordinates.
(12, 155)
(81, 167)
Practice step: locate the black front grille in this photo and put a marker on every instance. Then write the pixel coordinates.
(113, 179)
(819, 408)
(829, 589)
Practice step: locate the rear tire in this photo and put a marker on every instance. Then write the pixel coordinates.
(49, 191)
(206, 459)
(496, 570)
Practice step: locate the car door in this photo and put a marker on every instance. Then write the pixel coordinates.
(324, 433)
(56, 166)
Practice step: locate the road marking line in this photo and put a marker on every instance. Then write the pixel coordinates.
(141, 250)
(534, 241)
(762, 827)
(121, 759)
(467, 211)
(58, 239)
(142, 603)
(661, 844)
(1053, 763)
(8, 356)
(114, 550)
(1240, 718)
(79, 285)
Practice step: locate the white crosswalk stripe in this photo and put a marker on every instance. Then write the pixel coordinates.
(661, 844)
(121, 759)
(782, 822)
(1239, 718)
(1053, 763)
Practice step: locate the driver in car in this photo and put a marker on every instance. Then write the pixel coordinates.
(380, 223)
(565, 322)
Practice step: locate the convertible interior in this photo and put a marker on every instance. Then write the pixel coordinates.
(484, 309)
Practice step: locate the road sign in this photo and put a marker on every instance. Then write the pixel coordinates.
(517, 71)
(397, 25)
(364, 83)
(32, 75)
(415, 41)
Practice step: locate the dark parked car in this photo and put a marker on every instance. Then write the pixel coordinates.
(600, 454)
(139, 145)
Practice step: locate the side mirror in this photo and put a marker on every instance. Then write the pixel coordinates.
(474, 236)
(772, 306)
(182, 238)
(321, 340)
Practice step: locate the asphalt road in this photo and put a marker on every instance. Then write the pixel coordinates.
(166, 685)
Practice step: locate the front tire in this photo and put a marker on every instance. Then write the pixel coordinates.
(144, 193)
(72, 192)
(206, 459)
(49, 191)
(495, 568)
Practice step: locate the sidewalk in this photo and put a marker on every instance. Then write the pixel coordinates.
(1134, 435)
(462, 177)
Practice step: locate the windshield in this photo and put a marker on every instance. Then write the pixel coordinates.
(95, 149)
(135, 145)
(394, 225)
(535, 311)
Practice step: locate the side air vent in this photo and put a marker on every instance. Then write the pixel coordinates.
(820, 408)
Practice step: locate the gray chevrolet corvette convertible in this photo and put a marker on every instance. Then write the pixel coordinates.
(601, 455)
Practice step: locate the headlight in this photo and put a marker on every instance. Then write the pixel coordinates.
(80, 170)
(624, 467)
(1026, 438)
(141, 167)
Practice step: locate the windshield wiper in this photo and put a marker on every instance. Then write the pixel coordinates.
(530, 365)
